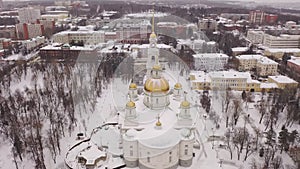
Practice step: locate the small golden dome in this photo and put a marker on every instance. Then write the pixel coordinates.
(153, 35)
(158, 123)
(177, 86)
(130, 104)
(185, 104)
(156, 85)
(132, 86)
(156, 67)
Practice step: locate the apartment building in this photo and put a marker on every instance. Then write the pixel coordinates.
(8, 31)
(255, 37)
(29, 15)
(27, 30)
(263, 65)
(266, 67)
(87, 37)
(257, 17)
(210, 61)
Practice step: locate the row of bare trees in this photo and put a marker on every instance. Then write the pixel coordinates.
(55, 95)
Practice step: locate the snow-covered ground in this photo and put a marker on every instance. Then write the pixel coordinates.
(211, 154)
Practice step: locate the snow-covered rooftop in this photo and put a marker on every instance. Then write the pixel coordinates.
(268, 85)
(265, 60)
(231, 74)
(239, 49)
(147, 15)
(282, 79)
(210, 55)
(249, 57)
(283, 50)
(295, 60)
(53, 47)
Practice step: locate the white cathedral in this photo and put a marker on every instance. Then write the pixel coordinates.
(157, 125)
(156, 130)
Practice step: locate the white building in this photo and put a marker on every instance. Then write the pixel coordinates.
(255, 37)
(282, 41)
(210, 61)
(28, 30)
(29, 15)
(88, 37)
(34, 42)
(153, 139)
(156, 133)
(197, 45)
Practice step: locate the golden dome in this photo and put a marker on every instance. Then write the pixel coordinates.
(185, 104)
(153, 35)
(156, 67)
(158, 123)
(177, 86)
(130, 104)
(156, 85)
(132, 86)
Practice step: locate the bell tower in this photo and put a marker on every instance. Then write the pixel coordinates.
(153, 51)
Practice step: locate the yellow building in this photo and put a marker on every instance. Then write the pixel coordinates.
(278, 53)
(283, 81)
(222, 80)
(263, 65)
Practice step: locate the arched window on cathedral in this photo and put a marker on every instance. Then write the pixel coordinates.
(186, 150)
(148, 157)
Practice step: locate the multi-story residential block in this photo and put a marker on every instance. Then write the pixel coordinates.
(257, 17)
(263, 65)
(247, 62)
(130, 30)
(283, 81)
(210, 61)
(266, 67)
(86, 37)
(27, 31)
(29, 15)
(255, 37)
(8, 32)
(173, 29)
(270, 18)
